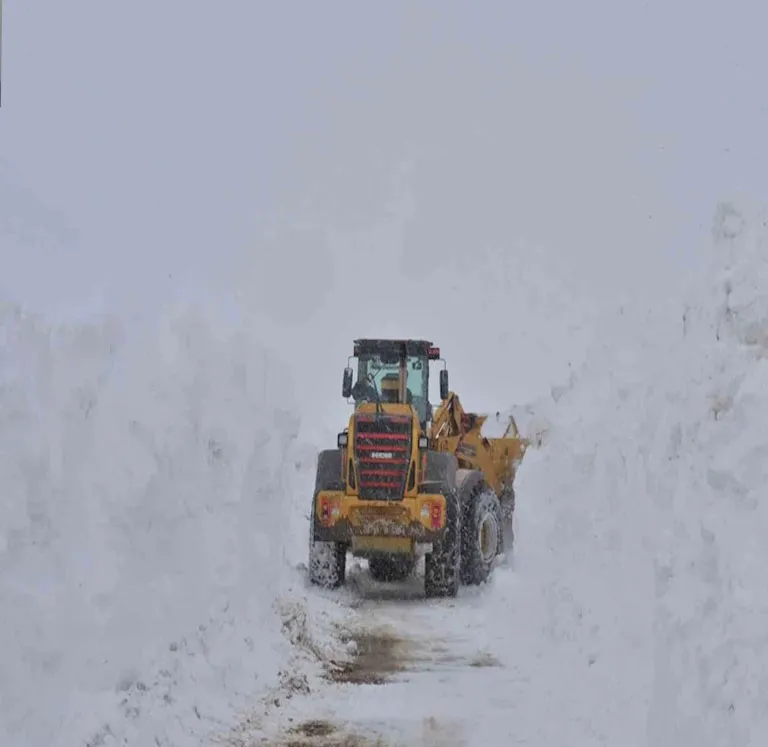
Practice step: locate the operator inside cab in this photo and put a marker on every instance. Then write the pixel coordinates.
(390, 390)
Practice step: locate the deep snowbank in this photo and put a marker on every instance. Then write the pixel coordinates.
(147, 482)
(641, 525)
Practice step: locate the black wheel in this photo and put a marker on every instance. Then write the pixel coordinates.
(507, 498)
(327, 560)
(507, 501)
(442, 565)
(482, 537)
(391, 567)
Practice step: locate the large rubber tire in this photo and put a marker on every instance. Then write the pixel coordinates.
(327, 560)
(391, 568)
(440, 472)
(481, 536)
(442, 566)
(507, 501)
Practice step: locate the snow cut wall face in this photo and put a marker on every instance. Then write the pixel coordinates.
(643, 518)
(712, 604)
(138, 524)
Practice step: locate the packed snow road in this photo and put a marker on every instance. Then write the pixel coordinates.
(485, 668)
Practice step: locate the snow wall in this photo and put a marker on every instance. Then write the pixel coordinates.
(642, 521)
(147, 476)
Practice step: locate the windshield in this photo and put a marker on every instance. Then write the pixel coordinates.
(382, 371)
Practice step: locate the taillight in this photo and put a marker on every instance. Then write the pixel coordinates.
(436, 516)
(329, 509)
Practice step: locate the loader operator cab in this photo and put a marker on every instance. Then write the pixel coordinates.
(394, 371)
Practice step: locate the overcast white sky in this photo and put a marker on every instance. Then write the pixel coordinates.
(146, 146)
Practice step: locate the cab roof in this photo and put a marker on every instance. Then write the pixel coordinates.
(395, 347)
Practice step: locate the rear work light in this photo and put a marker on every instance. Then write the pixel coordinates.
(342, 439)
(423, 442)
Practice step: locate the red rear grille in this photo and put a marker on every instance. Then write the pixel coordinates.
(383, 455)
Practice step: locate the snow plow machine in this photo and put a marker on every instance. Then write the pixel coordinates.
(405, 480)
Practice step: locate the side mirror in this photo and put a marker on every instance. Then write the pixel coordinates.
(444, 383)
(346, 387)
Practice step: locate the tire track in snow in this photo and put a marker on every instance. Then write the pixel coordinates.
(404, 653)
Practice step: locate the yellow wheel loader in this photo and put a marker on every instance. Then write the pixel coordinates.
(405, 480)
